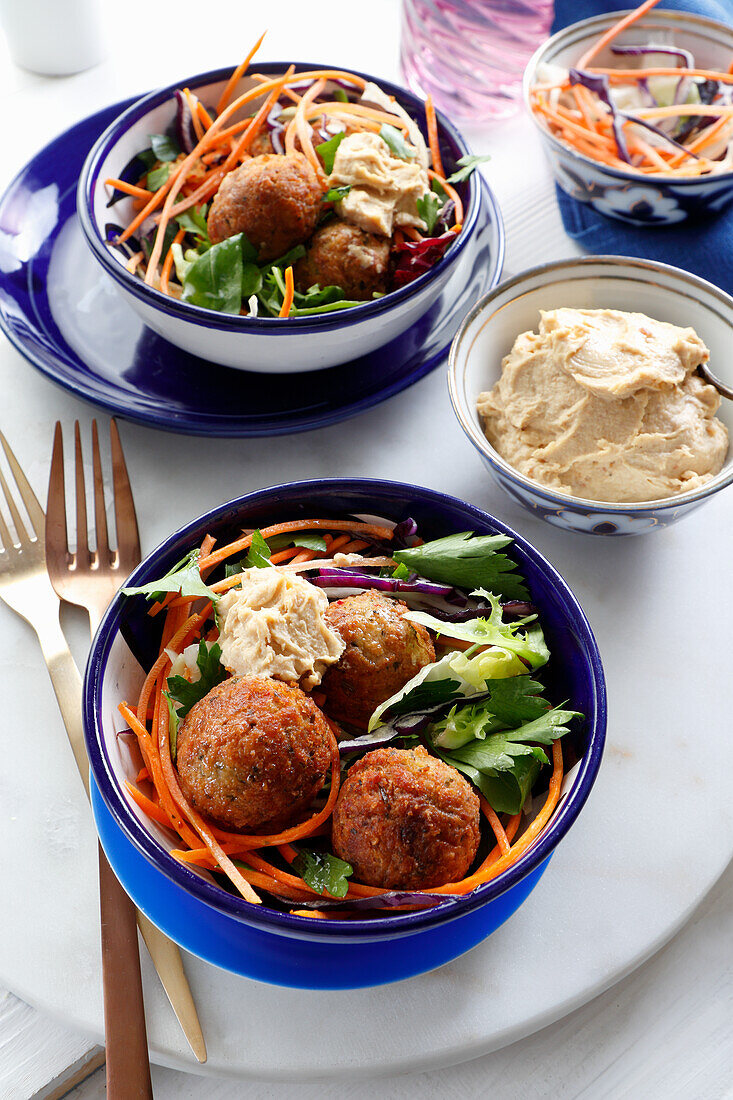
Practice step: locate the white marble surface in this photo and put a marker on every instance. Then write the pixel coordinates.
(657, 830)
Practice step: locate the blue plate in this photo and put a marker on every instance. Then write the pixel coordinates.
(69, 321)
(282, 960)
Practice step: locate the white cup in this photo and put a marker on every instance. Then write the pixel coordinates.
(53, 37)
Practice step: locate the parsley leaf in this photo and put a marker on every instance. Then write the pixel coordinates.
(467, 561)
(396, 142)
(323, 872)
(156, 177)
(164, 147)
(466, 167)
(184, 578)
(327, 151)
(336, 194)
(186, 693)
(428, 208)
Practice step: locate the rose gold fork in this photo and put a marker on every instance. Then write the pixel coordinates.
(90, 579)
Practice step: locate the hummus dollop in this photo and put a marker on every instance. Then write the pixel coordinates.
(384, 189)
(275, 626)
(604, 405)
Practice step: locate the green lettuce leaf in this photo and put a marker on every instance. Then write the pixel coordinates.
(164, 147)
(214, 280)
(327, 151)
(490, 630)
(156, 177)
(467, 561)
(396, 142)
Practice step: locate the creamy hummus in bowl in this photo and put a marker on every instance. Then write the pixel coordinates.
(578, 384)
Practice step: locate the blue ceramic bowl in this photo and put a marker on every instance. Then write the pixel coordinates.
(593, 282)
(630, 196)
(306, 951)
(266, 344)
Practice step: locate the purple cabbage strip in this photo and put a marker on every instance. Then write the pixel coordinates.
(598, 84)
(414, 258)
(403, 531)
(672, 51)
(184, 124)
(346, 578)
(655, 130)
(380, 901)
(707, 91)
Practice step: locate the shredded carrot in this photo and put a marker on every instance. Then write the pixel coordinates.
(432, 125)
(192, 101)
(129, 188)
(295, 525)
(168, 265)
(147, 805)
(289, 294)
(613, 32)
(496, 825)
(451, 193)
(237, 76)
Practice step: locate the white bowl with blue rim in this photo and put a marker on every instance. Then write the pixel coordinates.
(265, 344)
(293, 949)
(633, 197)
(488, 333)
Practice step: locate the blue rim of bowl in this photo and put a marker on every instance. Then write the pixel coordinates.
(482, 444)
(602, 21)
(89, 179)
(285, 923)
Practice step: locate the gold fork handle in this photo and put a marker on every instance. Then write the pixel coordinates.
(67, 687)
(128, 1067)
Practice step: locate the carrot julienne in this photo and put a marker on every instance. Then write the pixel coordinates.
(432, 125)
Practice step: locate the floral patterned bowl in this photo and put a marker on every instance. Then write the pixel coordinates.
(629, 196)
(595, 282)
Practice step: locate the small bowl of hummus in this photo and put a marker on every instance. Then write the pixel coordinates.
(584, 386)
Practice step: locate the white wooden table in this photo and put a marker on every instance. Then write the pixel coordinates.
(665, 1031)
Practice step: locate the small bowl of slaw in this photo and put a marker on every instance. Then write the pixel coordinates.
(635, 111)
(271, 326)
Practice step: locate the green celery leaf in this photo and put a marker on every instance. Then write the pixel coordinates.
(258, 555)
(467, 561)
(327, 151)
(428, 207)
(466, 167)
(323, 872)
(302, 539)
(184, 693)
(396, 142)
(214, 280)
(336, 194)
(184, 578)
(164, 147)
(156, 177)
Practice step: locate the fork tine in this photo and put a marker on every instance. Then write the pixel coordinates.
(5, 537)
(82, 537)
(56, 535)
(100, 513)
(128, 537)
(33, 508)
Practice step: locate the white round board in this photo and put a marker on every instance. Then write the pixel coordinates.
(654, 836)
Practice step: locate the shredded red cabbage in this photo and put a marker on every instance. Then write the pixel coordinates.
(656, 130)
(380, 901)
(417, 257)
(640, 51)
(184, 124)
(598, 84)
(348, 578)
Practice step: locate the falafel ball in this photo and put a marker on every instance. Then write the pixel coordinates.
(274, 200)
(253, 751)
(344, 255)
(405, 820)
(383, 651)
